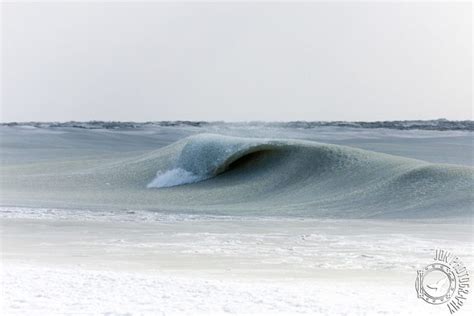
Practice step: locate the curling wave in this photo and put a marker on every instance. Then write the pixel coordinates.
(232, 175)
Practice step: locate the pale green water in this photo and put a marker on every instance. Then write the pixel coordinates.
(245, 176)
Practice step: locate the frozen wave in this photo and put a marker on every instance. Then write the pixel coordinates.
(251, 176)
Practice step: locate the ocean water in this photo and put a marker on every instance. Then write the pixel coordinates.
(241, 170)
(219, 218)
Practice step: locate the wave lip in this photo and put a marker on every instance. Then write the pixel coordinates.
(205, 156)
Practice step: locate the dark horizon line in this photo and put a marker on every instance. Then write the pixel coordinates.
(244, 121)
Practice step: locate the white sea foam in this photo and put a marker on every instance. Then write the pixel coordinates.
(173, 177)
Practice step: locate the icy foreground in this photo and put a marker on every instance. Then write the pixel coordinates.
(59, 291)
(147, 264)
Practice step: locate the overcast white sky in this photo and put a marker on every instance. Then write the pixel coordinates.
(162, 61)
